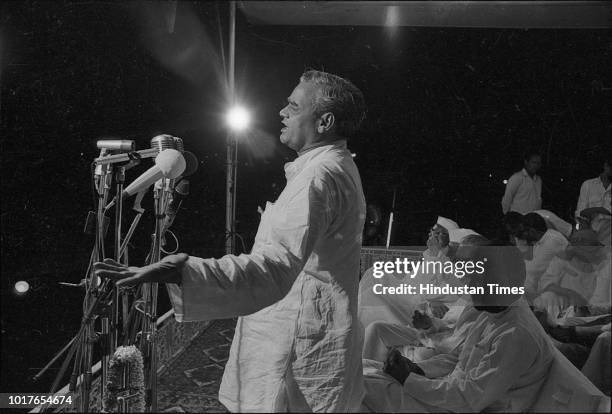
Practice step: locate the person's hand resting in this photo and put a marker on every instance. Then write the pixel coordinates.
(438, 310)
(421, 320)
(399, 367)
(165, 271)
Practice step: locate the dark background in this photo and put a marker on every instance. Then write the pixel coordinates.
(450, 111)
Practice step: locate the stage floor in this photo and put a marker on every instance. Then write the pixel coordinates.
(191, 383)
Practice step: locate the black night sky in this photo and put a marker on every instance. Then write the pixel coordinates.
(450, 112)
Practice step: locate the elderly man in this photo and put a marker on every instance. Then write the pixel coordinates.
(501, 366)
(399, 308)
(297, 345)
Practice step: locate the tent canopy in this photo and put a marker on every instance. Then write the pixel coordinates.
(475, 14)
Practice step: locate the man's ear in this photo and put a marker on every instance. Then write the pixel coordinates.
(326, 122)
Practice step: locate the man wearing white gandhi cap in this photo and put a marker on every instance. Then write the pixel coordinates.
(448, 224)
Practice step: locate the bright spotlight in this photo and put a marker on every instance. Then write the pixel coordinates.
(22, 287)
(238, 118)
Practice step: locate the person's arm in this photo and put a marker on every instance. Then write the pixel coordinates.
(511, 189)
(485, 381)
(241, 285)
(206, 289)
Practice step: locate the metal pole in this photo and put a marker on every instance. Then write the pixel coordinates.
(230, 218)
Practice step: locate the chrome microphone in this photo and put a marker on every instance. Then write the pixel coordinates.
(121, 145)
(163, 142)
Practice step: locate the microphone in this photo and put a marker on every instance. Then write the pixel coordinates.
(121, 145)
(180, 192)
(191, 164)
(168, 164)
(163, 142)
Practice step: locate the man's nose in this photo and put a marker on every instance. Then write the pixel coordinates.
(283, 112)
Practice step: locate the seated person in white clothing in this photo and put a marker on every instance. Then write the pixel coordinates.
(425, 336)
(545, 245)
(501, 366)
(577, 285)
(399, 308)
(579, 277)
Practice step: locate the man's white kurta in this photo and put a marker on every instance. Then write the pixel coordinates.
(299, 348)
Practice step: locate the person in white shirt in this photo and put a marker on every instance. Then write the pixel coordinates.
(546, 244)
(596, 193)
(297, 344)
(524, 188)
(578, 277)
(501, 366)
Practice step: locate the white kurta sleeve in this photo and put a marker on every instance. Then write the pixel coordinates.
(241, 285)
(487, 376)
(511, 188)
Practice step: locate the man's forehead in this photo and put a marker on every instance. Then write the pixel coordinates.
(304, 91)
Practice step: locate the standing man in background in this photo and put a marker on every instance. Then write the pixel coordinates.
(524, 189)
(297, 345)
(595, 195)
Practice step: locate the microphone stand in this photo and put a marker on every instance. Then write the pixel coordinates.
(149, 294)
(86, 352)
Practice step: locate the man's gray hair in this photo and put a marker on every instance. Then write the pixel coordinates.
(340, 97)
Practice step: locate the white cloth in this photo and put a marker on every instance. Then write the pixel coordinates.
(448, 224)
(592, 282)
(299, 348)
(549, 246)
(523, 194)
(555, 222)
(501, 367)
(398, 309)
(456, 235)
(598, 366)
(593, 194)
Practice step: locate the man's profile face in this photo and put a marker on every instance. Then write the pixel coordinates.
(533, 164)
(437, 237)
(299, 118)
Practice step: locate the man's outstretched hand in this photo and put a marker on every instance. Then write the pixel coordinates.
(168, 270)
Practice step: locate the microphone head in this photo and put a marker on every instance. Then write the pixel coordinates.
(178, 144)
(182, 188)
(171, 163)
(191, 163)
(163, 142)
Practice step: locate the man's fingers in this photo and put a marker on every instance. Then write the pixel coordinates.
(109, 266)
(131, 281)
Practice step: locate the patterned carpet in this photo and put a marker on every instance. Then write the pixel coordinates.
(191, 384)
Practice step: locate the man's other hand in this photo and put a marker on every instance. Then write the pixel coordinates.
(421, 320)
(165, 271)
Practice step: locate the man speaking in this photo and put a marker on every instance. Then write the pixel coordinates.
(297, 345)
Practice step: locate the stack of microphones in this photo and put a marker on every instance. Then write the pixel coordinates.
(173, 163)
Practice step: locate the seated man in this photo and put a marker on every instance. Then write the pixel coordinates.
(575, 289)
(579, 277)
(399, 308)
(546, 244)
(426, 335)
(501, 366)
